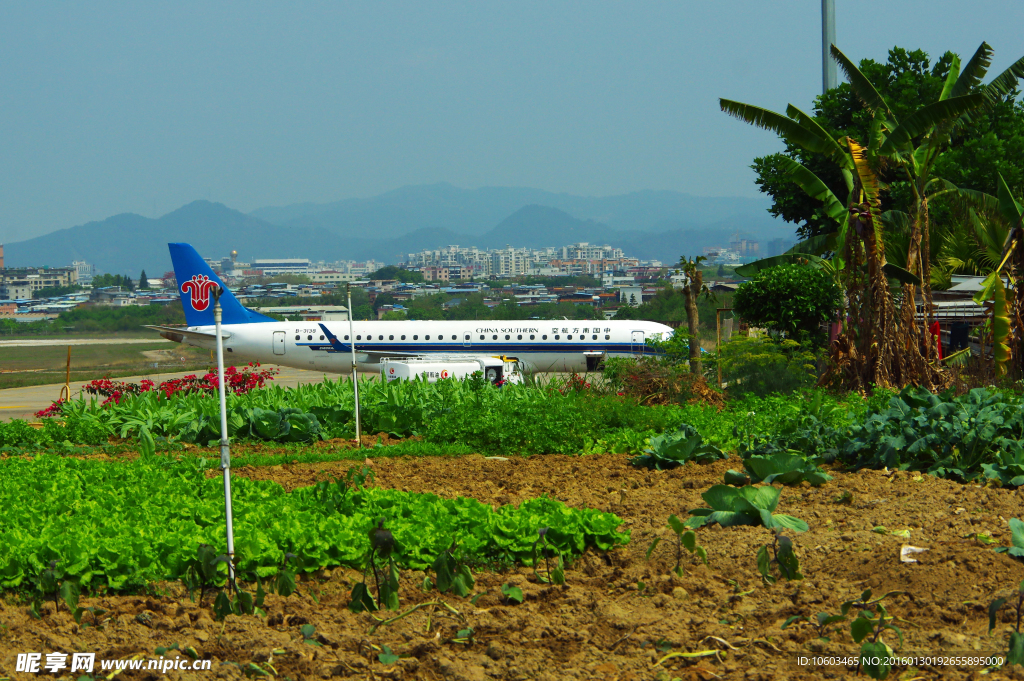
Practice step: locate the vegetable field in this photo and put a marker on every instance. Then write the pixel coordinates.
(533, 532)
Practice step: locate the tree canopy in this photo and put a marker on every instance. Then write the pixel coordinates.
(106, 280)
(791, 299)
(397, 273)
(992, 142)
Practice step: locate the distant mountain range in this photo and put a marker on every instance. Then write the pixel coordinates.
(648, 225)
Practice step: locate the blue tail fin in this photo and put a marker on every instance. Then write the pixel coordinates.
(196, 285)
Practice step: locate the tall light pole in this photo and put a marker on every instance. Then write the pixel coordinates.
(225, 451)
(355, 374)
(828, 38)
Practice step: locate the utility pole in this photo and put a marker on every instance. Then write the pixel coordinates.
(828, 38)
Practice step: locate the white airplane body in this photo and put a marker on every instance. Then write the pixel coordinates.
(541, 345)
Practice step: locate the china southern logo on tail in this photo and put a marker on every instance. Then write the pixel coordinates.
(199, 286)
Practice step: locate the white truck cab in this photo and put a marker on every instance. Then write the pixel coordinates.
(495, 370)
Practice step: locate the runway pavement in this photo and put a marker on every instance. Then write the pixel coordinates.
(40, 342)
(23, 403)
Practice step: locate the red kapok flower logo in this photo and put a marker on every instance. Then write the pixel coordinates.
(199, 287)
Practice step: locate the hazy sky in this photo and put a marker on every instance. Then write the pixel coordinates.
(142, 107)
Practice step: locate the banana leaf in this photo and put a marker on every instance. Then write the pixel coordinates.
(901, 275)
(750, 269)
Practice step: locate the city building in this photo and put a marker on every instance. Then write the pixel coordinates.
(23, 282)
(332, 277)
(306, 313)
(274, 266)
(779, 246)
(85, 271)
(739, 243)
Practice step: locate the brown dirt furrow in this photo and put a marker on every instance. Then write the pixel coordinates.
(620, 613)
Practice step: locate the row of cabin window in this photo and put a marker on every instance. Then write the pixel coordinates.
(454, 337)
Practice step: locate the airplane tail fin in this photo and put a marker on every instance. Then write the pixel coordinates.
(196, 286)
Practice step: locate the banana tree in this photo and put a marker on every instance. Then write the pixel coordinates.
(1007, 307)
(916, 144)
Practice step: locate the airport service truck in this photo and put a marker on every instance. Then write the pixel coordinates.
(435, 368)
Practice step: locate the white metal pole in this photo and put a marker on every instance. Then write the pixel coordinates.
(225, 452)
(828, 38)
(355, 375)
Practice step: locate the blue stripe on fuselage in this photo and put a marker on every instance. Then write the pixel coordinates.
(406, 348)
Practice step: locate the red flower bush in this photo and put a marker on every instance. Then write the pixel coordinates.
(573, 384)
(237, 381)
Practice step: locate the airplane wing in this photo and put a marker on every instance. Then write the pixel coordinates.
(177, 334)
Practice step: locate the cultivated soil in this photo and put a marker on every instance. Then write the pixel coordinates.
(601, 624)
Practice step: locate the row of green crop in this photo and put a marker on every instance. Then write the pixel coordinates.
(975, 435)
(527, 419)
(969, 437)
(129, 523)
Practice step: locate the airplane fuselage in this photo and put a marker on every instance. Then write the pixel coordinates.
(542, 345)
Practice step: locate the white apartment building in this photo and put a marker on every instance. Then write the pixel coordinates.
(85, 271)
(274, 266)
(510, 262)
(332, 277)
(585, 251)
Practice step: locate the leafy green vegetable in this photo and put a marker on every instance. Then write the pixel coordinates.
(513, 594)
(785, 468)
(1016, 538)
(730, 506)
(672, 449)
(964, 438)
(783, 557)
(140, 521)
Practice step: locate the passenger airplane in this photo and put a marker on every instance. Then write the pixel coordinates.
(541, 345)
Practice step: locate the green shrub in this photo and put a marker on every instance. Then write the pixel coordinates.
(794, 300)
(762, 366)
(18, 433)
